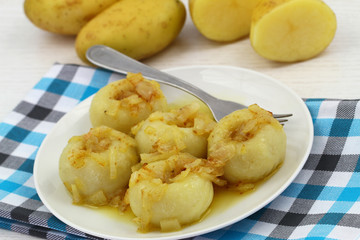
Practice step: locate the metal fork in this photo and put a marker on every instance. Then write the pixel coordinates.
(108, 58)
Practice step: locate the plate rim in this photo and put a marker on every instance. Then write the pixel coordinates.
(221, 225)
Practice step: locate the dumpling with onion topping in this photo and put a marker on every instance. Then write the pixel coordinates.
(96, 167)
(171, 193)
(163, 134)
(124, 103)
(249, 143)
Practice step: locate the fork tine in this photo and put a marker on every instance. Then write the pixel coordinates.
(282, 121)
(282, 115)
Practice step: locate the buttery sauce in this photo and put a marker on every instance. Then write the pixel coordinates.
(223, 199)
(115, 213)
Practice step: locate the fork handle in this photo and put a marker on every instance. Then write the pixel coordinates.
(113, 60)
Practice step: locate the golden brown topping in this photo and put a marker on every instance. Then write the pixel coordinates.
(185, 115)
(203, 125)
(145, 90)
(93, 143)
(245, 130)
(188, 116)
(133, 93)
(177, 167)
(77, 158)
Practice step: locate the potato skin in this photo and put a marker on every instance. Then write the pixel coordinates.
(63, 16)
(137, 28)
(222, 20)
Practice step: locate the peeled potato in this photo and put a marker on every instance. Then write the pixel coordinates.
(292, 30)
(180, 130)
(137, 28)
(170, 193)
(96, 166)
(124, 103)
(63, 16)
(222, 20)
(249, 144)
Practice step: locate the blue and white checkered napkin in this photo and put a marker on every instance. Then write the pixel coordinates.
(323, 202)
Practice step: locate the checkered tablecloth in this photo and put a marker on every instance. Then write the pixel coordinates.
(323, 202)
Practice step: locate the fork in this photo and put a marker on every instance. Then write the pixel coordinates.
(108, 58)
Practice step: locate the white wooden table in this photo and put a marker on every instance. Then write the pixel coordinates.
(26, 54)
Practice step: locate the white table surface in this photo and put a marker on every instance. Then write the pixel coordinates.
(26, 54)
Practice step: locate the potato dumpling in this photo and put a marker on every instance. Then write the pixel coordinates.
(124, 103)
(249, 143)
(179, 130)
(96, 166)
(63, 16)
(222, 20)
(136, 28)
(170, 193)
(292, 30)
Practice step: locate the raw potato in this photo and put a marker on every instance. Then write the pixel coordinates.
(63, 16)
(222, 20)
(249, 143)
(137, 28)
(292, 30)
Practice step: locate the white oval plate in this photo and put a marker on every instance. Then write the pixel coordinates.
(226, 82)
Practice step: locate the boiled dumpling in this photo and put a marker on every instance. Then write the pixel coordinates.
(124, 103)
(96, 166)
(249, 143)
(170, 193)
(163, 134)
